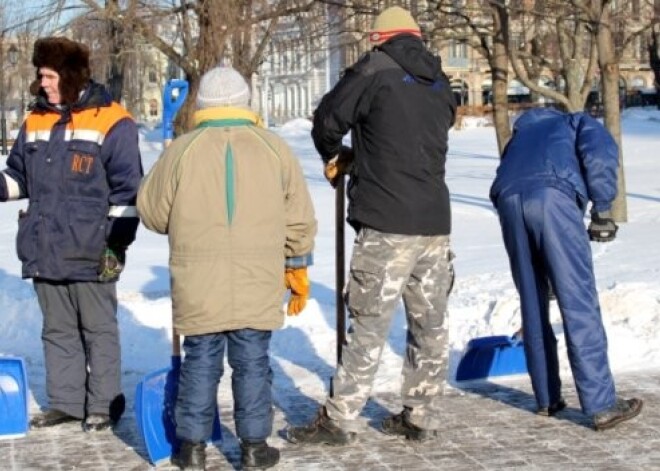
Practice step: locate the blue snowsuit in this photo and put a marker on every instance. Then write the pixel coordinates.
(554, 164)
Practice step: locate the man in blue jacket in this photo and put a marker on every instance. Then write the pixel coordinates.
(554, 164)
(77, 161)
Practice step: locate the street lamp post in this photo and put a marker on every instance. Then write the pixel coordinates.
(12, 55)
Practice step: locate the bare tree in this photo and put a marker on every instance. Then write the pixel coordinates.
(483, 27)
(557, 39)
(613, 34)
(196, 35)
(18, 28)
(118, 37)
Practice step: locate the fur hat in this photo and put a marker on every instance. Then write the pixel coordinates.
(223, 86)
(69, 59)
(391, 22)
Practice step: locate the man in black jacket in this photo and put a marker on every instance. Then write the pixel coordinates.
(398, 106)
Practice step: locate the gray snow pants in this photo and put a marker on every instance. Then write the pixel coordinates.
(81, 345)
(385, 268)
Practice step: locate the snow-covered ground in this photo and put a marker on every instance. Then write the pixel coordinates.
(484, 301)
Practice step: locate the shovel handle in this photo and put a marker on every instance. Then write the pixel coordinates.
(176, 339)
(340, 265)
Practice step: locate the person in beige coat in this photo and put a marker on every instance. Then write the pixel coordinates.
(232, 199)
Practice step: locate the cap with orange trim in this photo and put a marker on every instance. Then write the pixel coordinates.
(392, 22)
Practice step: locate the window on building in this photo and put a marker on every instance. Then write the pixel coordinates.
(458, 49)
(643, 47)
(634, 7)
(153, 78)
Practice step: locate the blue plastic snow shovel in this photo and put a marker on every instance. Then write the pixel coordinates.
(13, 398)
(155, 397)
(499, 355)
(174, 95)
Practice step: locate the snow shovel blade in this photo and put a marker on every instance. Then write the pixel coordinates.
(13, 398)
(155, 397)
(498, 355)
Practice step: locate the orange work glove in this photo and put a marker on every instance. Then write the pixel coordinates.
(297, 281)
(339, 165)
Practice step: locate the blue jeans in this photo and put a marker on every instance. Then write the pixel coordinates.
(252, 377)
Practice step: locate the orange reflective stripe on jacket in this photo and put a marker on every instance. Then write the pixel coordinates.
(90, 125)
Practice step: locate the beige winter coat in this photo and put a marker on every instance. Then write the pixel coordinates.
(233, 201)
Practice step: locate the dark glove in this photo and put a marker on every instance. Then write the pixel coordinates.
(111, 264)
(339, 165)
(602, 227)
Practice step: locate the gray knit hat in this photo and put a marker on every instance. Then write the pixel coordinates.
(223, 86)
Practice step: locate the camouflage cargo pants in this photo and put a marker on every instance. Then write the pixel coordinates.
(384, 269)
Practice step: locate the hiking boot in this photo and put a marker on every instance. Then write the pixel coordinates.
(259, 455)
(51, 418)
(321, 430)
(399, 424)
(97, 423)
(622, 410)
(191, 456)
(552, 409)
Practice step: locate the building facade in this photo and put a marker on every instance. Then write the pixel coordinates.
(297, 73)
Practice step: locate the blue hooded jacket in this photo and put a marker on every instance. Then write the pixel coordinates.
(569, 151)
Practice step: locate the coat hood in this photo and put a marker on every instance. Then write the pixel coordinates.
(534, 116)
(409, 52)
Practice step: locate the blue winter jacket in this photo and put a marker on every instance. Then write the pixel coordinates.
(569, 151)
(80, 168)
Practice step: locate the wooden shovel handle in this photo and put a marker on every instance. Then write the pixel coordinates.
(176, 339)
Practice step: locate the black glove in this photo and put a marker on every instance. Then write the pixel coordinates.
(111, 264)
(602, 227)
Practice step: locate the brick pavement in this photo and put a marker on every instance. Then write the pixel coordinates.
(487, 427)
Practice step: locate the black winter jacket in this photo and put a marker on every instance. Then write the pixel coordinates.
(398, 105)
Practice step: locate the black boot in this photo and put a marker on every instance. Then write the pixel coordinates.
(259, 455)
(399, 424)
(97, 423)
(552, 409)
(117, 407)
(321, 430)
(622, 410)
(191, 456)
(50, 418)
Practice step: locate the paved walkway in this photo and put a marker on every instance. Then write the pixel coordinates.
(487, 427)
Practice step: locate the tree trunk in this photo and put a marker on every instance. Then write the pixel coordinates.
(184, 118)
(609, 69)
(115, 80)
(654, 60)
(499, 66)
